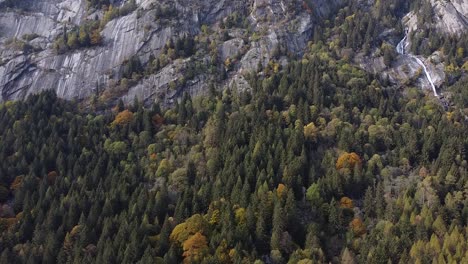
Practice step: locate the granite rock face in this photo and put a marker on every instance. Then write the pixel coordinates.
(84, 72)
(75, 74)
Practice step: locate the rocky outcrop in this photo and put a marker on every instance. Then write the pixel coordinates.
(404, 70)
(231, 48)
(448, 16)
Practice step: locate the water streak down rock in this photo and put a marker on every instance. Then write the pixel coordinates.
(401, 49)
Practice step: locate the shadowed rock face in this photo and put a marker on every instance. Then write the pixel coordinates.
(79, 74)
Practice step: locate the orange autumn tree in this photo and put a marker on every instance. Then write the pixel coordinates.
(281, 190)
(357, 226)
(195, 248)
(51, 176)
(16, 184)
(346, 202)
(348, 160)
(158, 120)
(123, 118)
(195, 224)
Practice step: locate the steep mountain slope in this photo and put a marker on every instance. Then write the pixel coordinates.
(340, 136)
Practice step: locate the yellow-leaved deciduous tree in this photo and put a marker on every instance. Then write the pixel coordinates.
(123, 118)
(434, 244)
(211, 133)
(215, 216)
(164, 169)
(72, 42)
(195, 248)
(313, 194)
(83, 36)
(96, 38)
(228, 63)
(311, 132)
(346, 202)
(439, 226)
(258, 149)
(348, 160)
(281, 190)
(460, 53)
(222, 253)
(465, 67)
(417, 251)
(75, 231)
(196, 223)
(240, 215)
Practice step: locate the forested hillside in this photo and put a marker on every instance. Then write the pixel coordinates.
(319, 162)
(254, 131)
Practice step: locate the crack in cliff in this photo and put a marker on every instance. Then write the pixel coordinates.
(462, 17)
(25, 67)
(5, 95)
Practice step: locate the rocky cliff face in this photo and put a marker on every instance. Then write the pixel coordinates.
(78, 73)
(30, 64)
(448, 16)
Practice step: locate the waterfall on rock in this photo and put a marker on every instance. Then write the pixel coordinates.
(401, 49)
